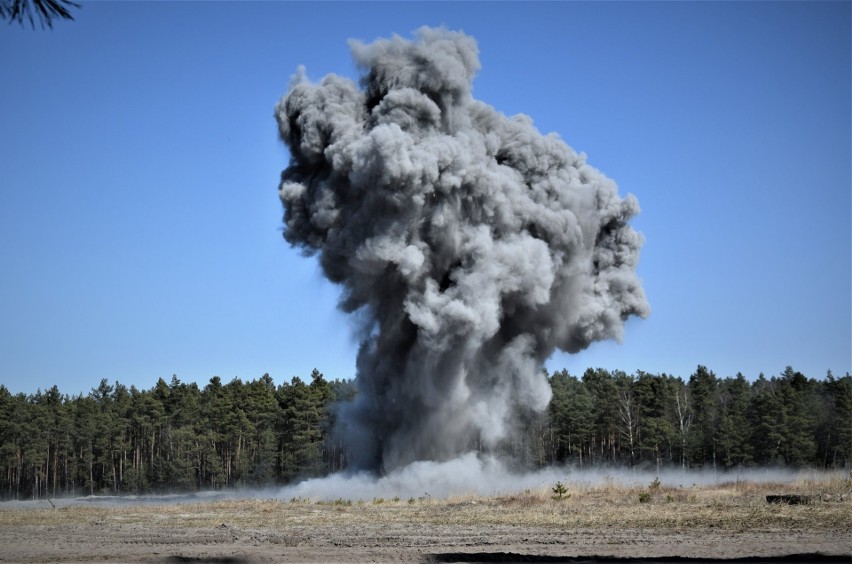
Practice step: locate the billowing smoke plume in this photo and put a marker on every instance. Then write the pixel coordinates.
(472, 244)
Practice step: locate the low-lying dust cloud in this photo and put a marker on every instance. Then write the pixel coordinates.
(467, 475)
(472, 245)
(485, 475)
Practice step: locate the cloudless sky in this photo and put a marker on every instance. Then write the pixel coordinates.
(140, 226)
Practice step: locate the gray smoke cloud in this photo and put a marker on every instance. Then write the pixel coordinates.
(471, 244)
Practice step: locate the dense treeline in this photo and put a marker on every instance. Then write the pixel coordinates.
(179, 437)
(656, 420)
(174, 437)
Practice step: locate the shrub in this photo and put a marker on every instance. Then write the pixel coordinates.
(559, 491)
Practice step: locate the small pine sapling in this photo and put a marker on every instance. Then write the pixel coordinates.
(559, 491)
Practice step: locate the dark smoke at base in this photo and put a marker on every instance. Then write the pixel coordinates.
(473, 246)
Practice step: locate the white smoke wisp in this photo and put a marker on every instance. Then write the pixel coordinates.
(473, 244)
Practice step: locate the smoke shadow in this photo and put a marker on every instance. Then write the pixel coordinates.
(516, 557)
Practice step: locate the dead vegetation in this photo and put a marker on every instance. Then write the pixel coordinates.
(734, 506)
(724, 521)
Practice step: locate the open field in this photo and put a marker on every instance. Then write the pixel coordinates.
(594, 521)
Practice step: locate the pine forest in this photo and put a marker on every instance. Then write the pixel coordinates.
(179, 437)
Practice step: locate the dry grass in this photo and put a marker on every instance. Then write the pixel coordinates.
(735, 506)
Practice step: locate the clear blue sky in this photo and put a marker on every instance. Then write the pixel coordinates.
(140, 226)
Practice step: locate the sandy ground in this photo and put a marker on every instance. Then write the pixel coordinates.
(108, 539)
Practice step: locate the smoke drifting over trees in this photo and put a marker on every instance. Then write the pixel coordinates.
(473, 244)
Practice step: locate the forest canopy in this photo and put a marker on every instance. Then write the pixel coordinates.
(178, 436)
